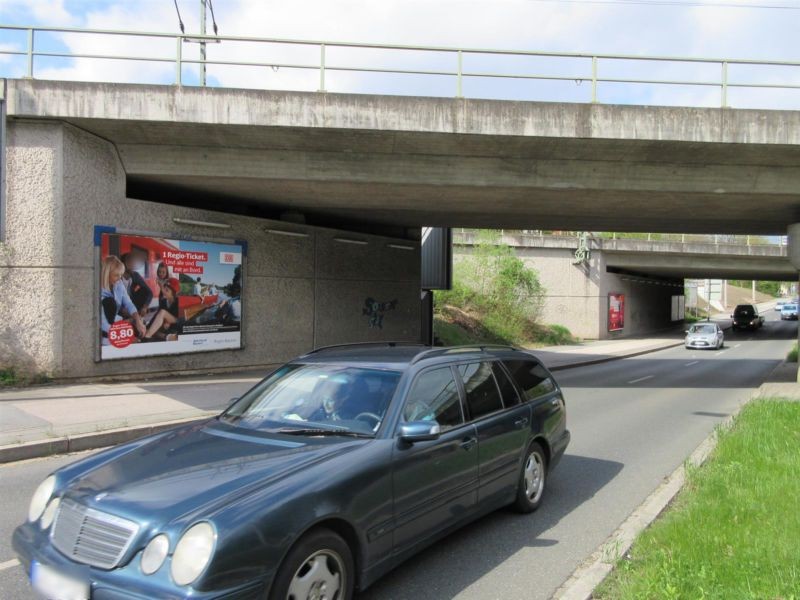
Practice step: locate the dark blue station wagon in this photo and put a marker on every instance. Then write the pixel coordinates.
(327, 474)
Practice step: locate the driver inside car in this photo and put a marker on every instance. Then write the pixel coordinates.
(329, 396)
(345, 399)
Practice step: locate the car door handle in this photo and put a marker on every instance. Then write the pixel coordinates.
(521, 422)
(469, 443)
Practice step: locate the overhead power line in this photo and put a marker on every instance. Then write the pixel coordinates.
(213, 19)
(180, 21)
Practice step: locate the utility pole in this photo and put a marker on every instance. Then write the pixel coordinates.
(202, 43)
(754, 291)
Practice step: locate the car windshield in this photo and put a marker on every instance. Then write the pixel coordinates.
(317, 397)
(744, 311)
(789, 307)
(702, 329)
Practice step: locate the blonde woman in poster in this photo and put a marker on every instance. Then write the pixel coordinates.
(114, 298)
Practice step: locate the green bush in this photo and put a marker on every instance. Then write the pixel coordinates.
(8, 376)
(504, 293)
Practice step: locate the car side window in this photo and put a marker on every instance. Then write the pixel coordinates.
(483, 397)
(531, 377)
(434, 396)
(507, 389)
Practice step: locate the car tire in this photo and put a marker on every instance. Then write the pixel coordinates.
(532, 479)
(321, 559)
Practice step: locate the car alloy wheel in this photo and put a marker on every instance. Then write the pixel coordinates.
(534, 476)
(320, 577)
(318, 567)
(532, 479)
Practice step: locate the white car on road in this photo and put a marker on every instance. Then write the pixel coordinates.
(704, 336)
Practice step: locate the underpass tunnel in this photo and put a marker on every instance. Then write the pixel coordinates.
(325, 203)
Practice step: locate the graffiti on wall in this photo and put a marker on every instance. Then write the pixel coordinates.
(375, 311)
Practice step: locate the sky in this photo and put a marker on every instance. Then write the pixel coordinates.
(763, 30)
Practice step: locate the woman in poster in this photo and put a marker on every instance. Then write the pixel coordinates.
(167, 314)
(162, 277)
(114, 297)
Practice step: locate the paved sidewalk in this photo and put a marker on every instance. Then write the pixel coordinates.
(54, 419)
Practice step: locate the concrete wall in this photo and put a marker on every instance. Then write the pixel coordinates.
(298, 292)
(577, 295)
(573, 296)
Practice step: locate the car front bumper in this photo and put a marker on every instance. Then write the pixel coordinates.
(700, 345)
(126, 582)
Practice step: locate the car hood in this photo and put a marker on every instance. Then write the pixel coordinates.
(196, 469)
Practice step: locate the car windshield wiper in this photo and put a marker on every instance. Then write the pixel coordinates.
(321, 431)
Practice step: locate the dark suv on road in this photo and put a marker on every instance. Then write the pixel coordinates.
(328, 473)
(745, 316)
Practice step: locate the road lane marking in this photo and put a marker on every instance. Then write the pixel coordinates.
(9, 564)
(642, 379)
(737, 345)
(694, 362)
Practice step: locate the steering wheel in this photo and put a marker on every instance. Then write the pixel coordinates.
(370, 416)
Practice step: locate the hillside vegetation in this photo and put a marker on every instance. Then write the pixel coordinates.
(495, 299)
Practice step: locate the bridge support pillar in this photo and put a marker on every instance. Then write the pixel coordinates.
(793, 252)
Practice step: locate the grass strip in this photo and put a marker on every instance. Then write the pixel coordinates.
(734, 530)
(792, 356)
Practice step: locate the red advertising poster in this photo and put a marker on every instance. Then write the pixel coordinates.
(616, 312)
(162, 296)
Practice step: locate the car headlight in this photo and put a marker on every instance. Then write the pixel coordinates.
(154, 554)
(50, 513)
(40, 498)
(192, 553)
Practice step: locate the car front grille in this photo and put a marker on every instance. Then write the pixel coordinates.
(90, 536)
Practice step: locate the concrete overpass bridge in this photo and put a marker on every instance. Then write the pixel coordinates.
(413, 161)
(648, 273)
(298, 175)
(670, 258)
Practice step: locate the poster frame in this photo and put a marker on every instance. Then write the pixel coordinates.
(100, 230)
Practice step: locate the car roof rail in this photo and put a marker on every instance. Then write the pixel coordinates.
(460, 349)
(388, 344)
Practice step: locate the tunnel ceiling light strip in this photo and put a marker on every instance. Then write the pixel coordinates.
(289, 233)
(201, 223)
(350, 241)
(400, 247)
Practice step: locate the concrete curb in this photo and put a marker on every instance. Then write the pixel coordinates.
(591, 573)
(100, 439)
(609, 358)
(86, 441)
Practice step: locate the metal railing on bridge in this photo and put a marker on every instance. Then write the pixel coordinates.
(36, 51)
(525, 237)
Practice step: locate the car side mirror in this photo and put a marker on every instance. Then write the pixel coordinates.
(685, 331)
(419, 431)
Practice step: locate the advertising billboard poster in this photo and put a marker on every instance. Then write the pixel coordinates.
(616, 312)
(161, 296)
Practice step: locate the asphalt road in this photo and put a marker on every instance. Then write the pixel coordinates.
(633, 422)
